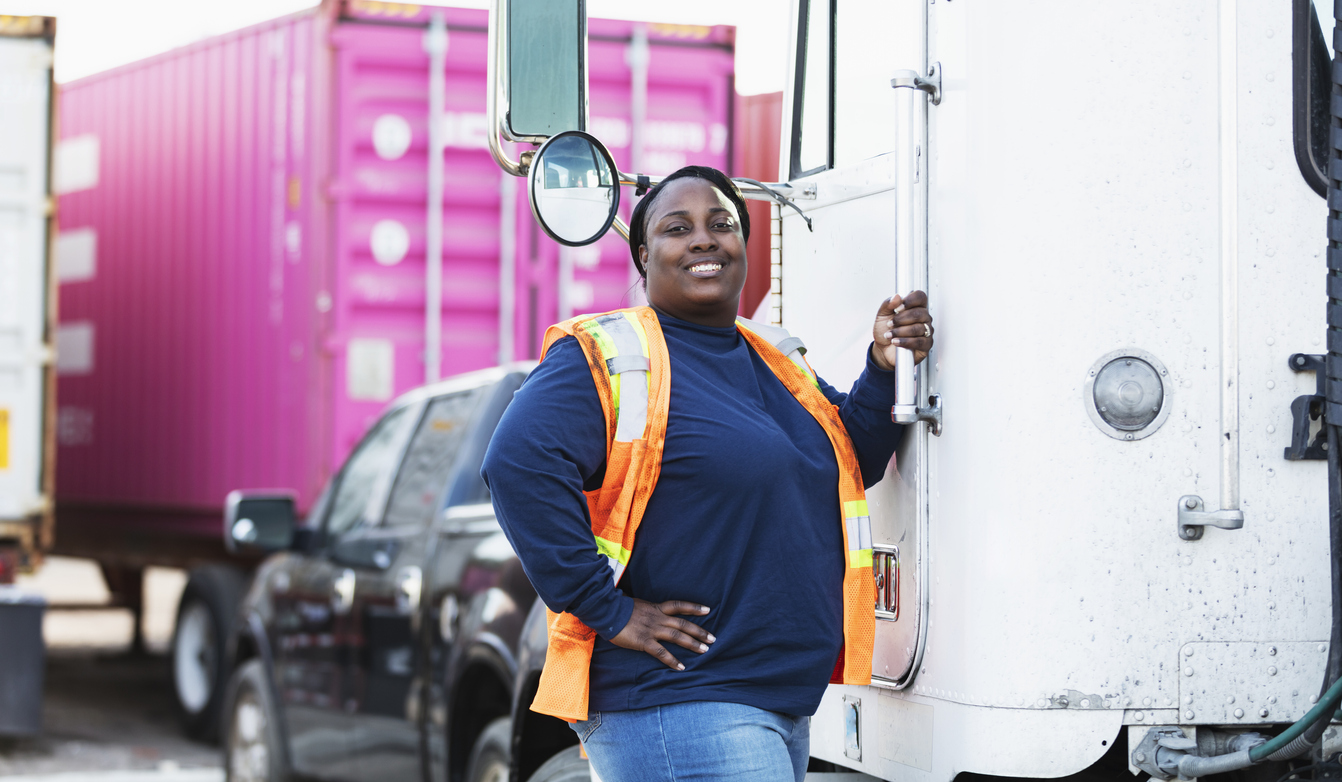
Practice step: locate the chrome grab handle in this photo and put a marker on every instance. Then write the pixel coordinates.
(908, 166)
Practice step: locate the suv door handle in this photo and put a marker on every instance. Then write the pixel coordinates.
(409, 585)
(342, 592)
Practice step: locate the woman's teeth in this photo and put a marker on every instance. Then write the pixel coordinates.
(706, 267)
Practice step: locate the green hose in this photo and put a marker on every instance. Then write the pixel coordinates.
(1326, 705)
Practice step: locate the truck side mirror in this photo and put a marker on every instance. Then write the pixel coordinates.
(574, 188)
(259, 521)
(544, 67)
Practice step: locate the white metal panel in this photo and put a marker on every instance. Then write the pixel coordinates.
(1076, 164)
(25, 74)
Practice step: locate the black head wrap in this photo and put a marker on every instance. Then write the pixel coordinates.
(638, 221)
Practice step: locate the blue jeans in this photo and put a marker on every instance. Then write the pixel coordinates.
(701, 740)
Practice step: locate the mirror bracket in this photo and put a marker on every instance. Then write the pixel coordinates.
(497, 72)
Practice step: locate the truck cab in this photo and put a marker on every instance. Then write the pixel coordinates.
(1105, 546)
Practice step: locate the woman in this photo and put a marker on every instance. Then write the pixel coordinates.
(717, 644)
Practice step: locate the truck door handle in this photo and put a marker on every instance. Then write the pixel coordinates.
(342, 592)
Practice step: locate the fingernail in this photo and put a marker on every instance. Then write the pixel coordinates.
(703, 647)
(712, 638)
(703, 609)
(888, 334)
(680, 666)
(897, 342)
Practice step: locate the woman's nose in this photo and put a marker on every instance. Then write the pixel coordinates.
(703, 239)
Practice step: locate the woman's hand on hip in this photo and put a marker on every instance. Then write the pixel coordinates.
(652, 623)
(902, 323)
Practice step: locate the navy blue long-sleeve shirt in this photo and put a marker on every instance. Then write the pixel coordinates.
(744, 519)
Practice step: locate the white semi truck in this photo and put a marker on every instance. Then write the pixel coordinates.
(1111, 542)
(27, 303)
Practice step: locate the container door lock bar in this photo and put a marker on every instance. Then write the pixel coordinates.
(1306, 408)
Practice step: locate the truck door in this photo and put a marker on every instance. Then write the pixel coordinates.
(390, 577)
(862, 146)
(318, 637)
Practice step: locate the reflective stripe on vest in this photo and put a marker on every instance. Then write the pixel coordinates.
(624, 344)
(627, 356)
(787, 344)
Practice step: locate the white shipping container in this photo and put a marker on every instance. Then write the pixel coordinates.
(26, 304)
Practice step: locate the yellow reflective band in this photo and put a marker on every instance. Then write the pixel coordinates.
(621, 554)
(806, 370)
(859, 558)
(855, 508)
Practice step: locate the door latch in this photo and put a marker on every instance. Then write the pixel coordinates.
(1193, 516)
(1306, 408)
(911, 79)
(885, 566)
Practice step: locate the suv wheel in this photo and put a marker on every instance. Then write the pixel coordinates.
(566, 766)
(253, 751)
(204, 620)
(489, 756)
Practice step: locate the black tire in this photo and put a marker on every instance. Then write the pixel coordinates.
(566, 766)
(491, 753)
(253, 745)
(199, 643)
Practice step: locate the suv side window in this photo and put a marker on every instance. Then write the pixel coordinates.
(430, 458)
(357, 493)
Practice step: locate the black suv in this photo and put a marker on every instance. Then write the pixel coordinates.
(393, 636)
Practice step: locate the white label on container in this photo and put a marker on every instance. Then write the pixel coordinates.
(613, 131)
(389, 242)
(76, 255)
(76, 164)
(588, 257)
(465, 130)
(370, 366)
(74, 348)
(74, 426)
(391, 136)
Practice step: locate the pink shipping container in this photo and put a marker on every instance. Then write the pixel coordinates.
(250, 240)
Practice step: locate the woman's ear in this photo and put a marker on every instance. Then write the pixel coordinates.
(643, 259)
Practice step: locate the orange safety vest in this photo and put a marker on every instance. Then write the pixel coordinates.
(627, 354)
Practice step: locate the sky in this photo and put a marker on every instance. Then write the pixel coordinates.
(94, 35)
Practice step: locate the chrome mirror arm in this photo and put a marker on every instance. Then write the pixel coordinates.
(751, 190)
(495, 71)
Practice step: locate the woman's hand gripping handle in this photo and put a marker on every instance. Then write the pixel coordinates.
(902, 323)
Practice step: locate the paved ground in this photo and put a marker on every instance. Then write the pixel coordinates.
(107, 715)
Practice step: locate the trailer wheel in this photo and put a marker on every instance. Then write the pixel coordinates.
(199, 640)
(566, 766)
(489, 756)
(253, 751)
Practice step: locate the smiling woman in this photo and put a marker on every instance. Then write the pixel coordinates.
(743, 482)
(694, 226)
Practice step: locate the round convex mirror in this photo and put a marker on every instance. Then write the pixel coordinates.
(574, 188)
